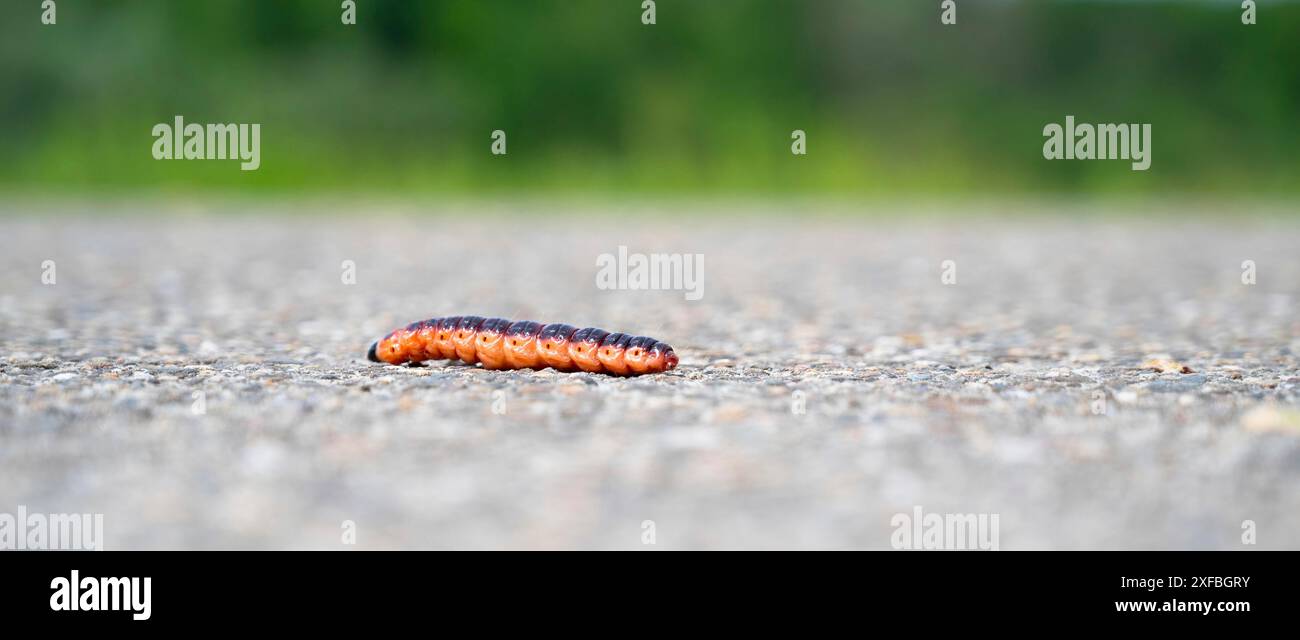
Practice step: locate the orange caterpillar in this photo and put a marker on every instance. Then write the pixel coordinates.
(501, 344)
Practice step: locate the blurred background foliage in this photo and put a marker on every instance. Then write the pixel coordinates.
(592, 101)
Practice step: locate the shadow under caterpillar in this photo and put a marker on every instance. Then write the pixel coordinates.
(502, 344)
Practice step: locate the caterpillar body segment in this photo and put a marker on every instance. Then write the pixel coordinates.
(553, 346)
(463, 338)
(582, 348)
(499, 343)
(445, 350)
(489, 343)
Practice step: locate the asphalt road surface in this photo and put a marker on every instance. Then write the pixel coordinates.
(200, 379)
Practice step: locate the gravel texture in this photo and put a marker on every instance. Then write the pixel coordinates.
(1097, 383)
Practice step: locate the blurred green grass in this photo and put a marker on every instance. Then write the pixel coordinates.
(703, 102)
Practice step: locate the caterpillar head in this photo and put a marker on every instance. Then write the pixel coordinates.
(388, 349)
(660, 357)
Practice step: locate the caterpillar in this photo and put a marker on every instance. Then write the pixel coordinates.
(499, 343)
